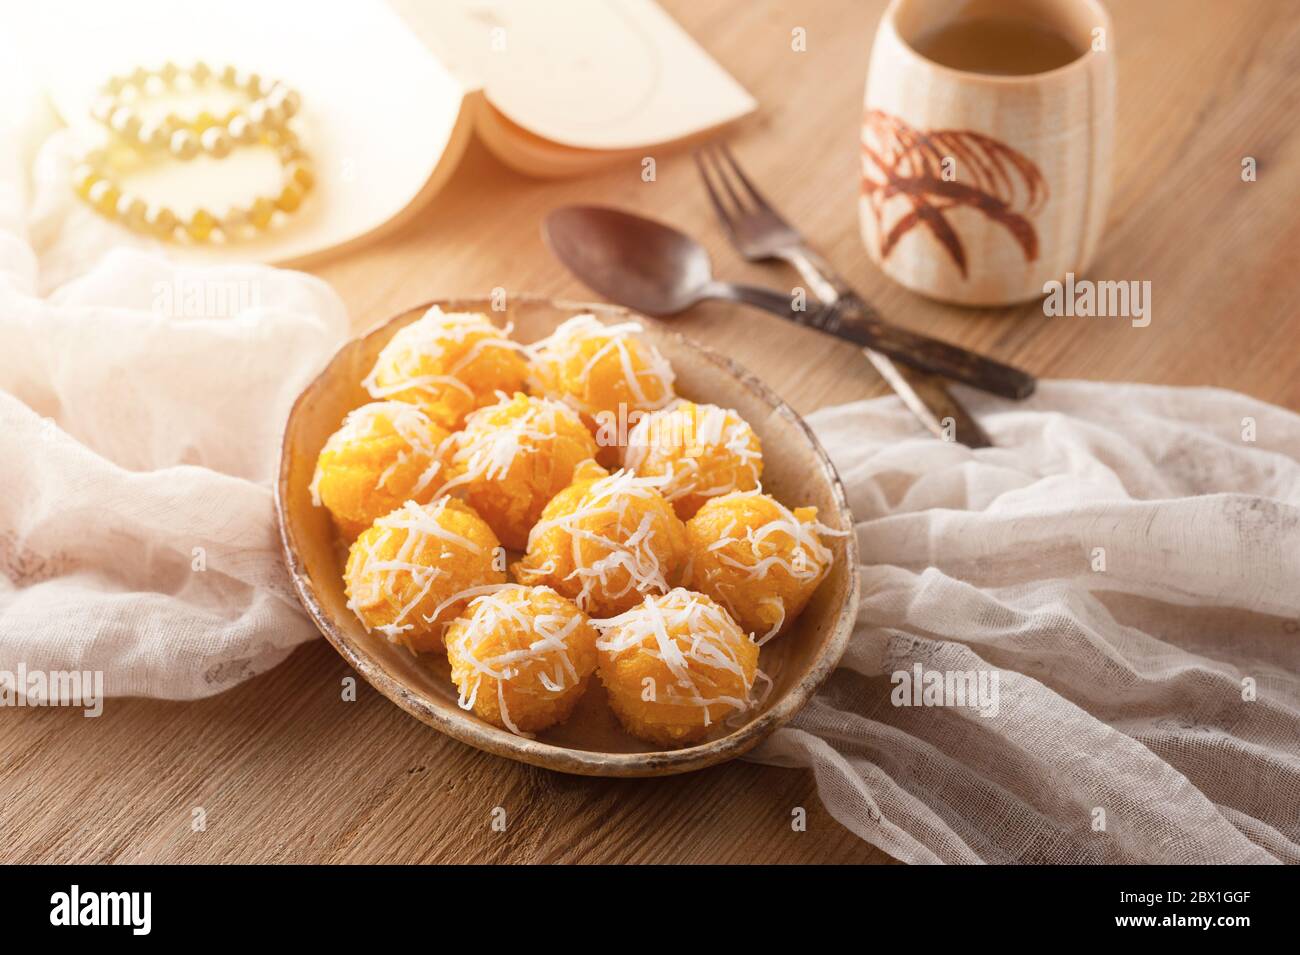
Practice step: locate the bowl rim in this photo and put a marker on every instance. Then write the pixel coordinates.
(499, 742)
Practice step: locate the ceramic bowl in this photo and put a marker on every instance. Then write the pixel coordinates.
(591, 742)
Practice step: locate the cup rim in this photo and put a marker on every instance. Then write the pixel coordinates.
(1016, 79)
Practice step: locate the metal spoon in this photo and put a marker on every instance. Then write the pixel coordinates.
(655, 269)
(642, 264)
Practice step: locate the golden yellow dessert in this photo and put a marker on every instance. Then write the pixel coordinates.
(604, 541)
(513, 457)
(757, 558)
(606, 373)
(674, 666)
(521, 657)
(385, 453)
(414, 570)
(670, 614)
(449, 363)
(701, 451)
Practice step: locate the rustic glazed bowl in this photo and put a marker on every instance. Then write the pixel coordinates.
(591, 742)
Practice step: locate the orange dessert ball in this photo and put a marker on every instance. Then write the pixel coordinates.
(604, 541)
(701, 451)
(449, 364)
(414, 569)
(604, 372)
(674, 666)
(513, 457)
(757, 558)
(386, 453)
(521, 657)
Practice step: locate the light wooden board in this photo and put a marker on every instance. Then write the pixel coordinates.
(286, 771)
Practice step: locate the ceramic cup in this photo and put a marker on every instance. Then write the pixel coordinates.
(978, 189)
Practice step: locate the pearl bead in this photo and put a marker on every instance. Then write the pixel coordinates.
(200, 225)
(154, 135)
(282, 136)
(243, 130)
(216, 141)
(236, 218)
(103, 195)
(260, 212)
(124, 121)
(302, 175)
(275, 115)
(83, 178)
(160, 219)
(250, 83)
(184, 144)
(131, 211)
(290, 197)
(259, 113)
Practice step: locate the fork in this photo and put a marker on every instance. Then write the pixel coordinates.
(760, 234)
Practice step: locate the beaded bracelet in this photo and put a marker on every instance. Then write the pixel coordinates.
(95, 181)
(271, 105)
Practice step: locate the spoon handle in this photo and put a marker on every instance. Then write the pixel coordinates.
(769, 300)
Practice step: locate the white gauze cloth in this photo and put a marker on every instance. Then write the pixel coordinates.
(1127, 561)
(141, 409)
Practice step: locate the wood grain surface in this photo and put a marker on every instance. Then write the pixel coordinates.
(287, 771)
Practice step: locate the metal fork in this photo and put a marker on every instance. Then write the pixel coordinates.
(760, 234)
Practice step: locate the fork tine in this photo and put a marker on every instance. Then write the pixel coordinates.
(719, 207)
(755, 196)
(720, 172)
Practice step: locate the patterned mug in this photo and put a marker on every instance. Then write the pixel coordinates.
(980, 188)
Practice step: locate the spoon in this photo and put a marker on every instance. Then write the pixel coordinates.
(645, 265)
(657, 270)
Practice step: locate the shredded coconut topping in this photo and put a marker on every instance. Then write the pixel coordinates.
(695, 639)
(410, 424)
(488, 447)
(627, 547)
(542, 665)
(785, 542)
(377, 577)
(566, 344)
(430, 339)
(676, 437)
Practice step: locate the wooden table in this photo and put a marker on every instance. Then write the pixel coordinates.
(286, 771)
